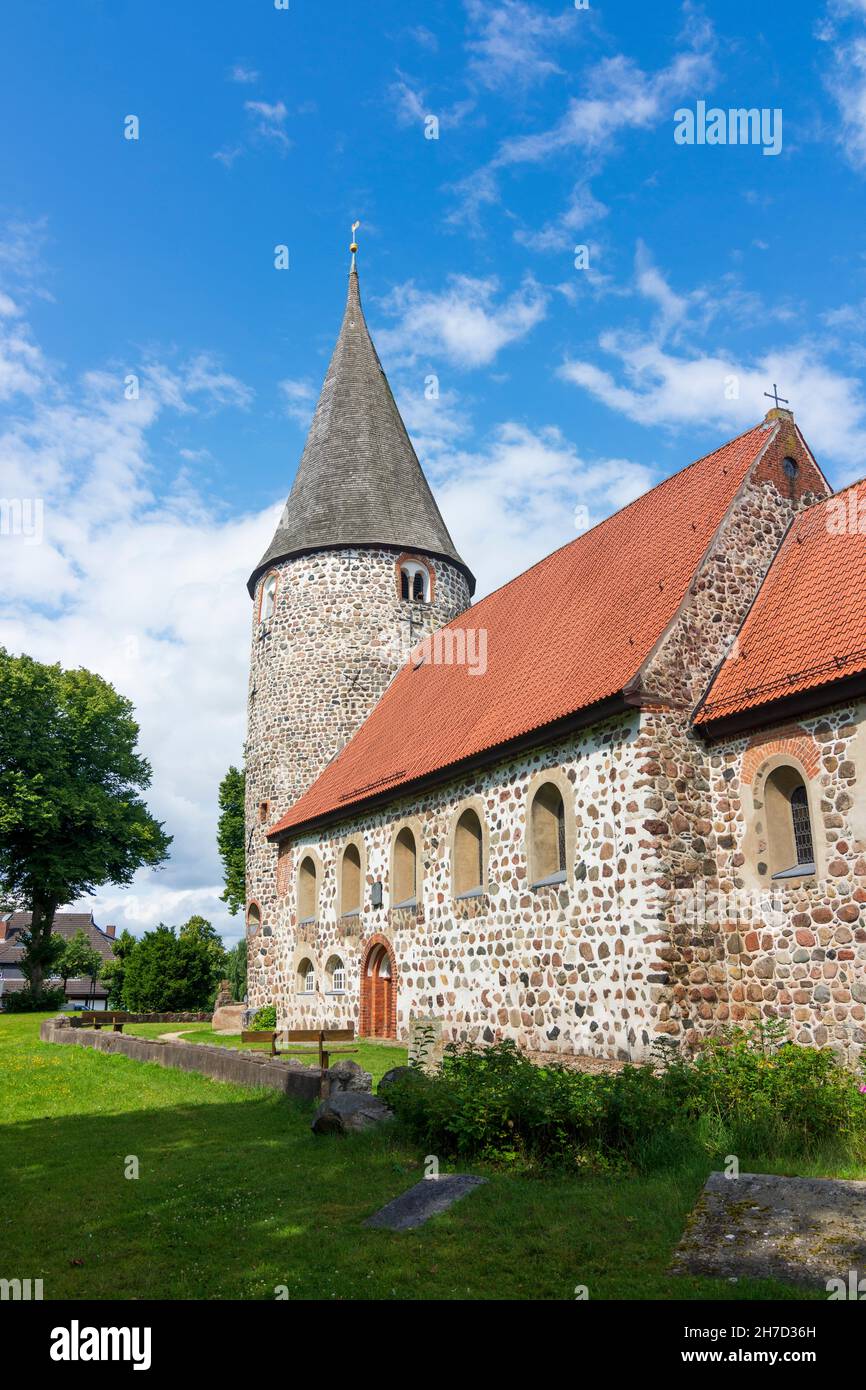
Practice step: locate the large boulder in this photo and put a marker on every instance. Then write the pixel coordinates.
(228, 1018)
(348, 1076)
(349, 1112)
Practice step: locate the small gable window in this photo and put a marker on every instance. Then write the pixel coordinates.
(254, 918)
(307, 890)
(468, 865)
(414, 582)
(269, 598)
(547, 836)
(790, 844)
(405, 882)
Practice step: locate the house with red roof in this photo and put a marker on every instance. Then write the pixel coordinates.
(615, 801)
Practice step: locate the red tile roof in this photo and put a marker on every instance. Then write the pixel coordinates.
(807, 626)
(562, 637)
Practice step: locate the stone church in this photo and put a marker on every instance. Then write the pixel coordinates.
(620, 799)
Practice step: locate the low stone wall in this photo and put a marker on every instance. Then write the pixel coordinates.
(242, 1068)
(163, 1018)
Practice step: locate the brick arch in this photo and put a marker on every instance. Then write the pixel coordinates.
(371, 1015)
(790, 741)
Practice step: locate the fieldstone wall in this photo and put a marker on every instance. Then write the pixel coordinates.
(338, 634)
(242, 1068)
(560, 969)
(794, 949)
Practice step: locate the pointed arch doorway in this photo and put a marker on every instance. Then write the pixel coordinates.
(379, 991)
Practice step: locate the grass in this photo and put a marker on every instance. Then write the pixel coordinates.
(236, 1197)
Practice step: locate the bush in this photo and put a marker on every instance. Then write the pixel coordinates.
(742, 1094)
(265, 1018)
(25, 1002)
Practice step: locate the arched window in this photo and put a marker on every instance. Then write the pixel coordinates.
(307, 890)
(414, 582)
(790, 844)
(254, 918)
(547, 836)
(269, 598)
(335, 971)
(468, 860)
(350, 882)
(405, 885)
(306, 977)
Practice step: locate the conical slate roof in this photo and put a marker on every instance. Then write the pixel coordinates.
(359, 481)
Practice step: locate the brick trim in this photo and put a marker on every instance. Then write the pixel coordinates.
(791, 740)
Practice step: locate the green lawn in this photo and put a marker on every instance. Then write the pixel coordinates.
(237, 1197)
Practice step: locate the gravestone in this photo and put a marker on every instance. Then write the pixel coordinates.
(426, 1042)
(761, 1226)
(427, 1198)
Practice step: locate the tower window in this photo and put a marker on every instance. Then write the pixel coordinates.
(335, 972)
(306, 977)
(264, 811)
(269, 598)
(414, 582)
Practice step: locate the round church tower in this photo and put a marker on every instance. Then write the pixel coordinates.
(360, 569)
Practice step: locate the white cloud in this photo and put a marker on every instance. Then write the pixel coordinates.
(513, 502)
(513, 43)
(270, 121)
(463, 322)
(242, 72)
(299, 400)
(658, 387)
(147, 589)
(619, 96)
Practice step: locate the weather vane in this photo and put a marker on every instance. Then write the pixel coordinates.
(354, 246)
(774, 396)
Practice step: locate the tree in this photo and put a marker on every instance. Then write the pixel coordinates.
(114, 970)
(78, 959)
(236, 970)
(205, 936)
(230, 839)
(71, 818)
(167, 972)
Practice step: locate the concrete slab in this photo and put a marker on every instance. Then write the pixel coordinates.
(761, 1226)
(429, 1197)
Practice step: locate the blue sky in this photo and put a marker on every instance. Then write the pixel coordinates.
(713, 271)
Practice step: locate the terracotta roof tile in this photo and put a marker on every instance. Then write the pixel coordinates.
(807, 626)
(565, 635)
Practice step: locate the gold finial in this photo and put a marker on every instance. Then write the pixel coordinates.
(354, 246)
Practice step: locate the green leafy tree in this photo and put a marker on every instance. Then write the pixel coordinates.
(168, 972)
(236, 970)
(113, 970)
(200, 931)
(71, 818)
(230, 839)
(78, 959)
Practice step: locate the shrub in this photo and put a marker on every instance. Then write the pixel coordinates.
(265, 1018)
(744, 1093)
(23, 1001)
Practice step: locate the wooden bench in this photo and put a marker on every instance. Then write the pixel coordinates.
(100, 1018)
(306, 1040)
